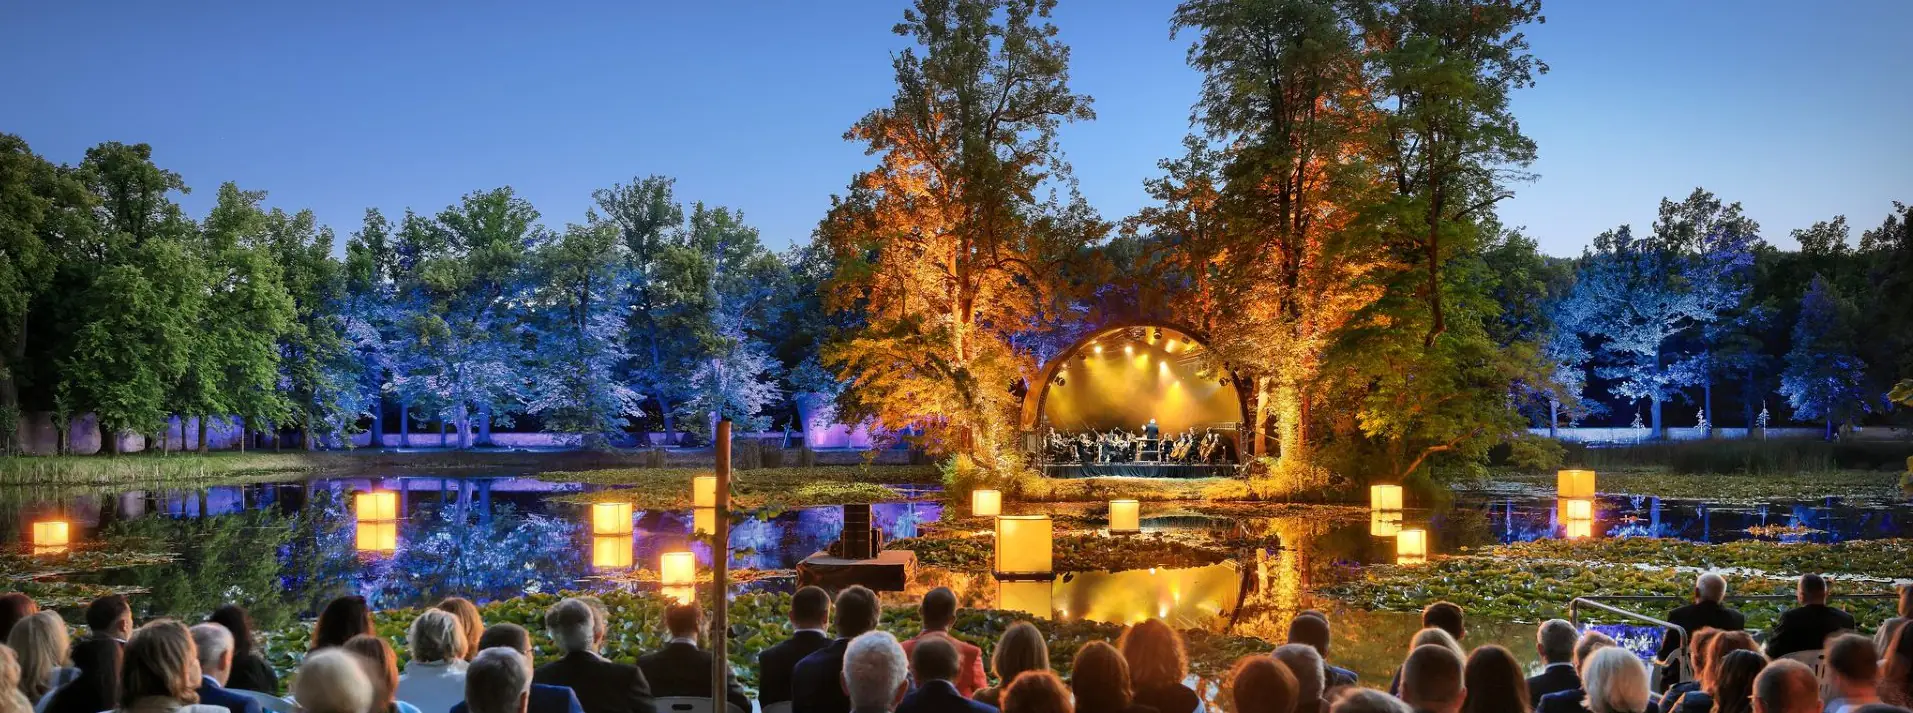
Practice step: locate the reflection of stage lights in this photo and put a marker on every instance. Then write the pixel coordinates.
(677, 571)
(1099, 348)
(1170, 346)
(1129, 349)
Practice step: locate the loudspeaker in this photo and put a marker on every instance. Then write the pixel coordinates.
(859, 543)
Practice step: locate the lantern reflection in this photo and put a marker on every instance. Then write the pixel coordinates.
(377, 537)
(1032, 596)
(703, 521)
(1577, 517)
(704, 491)
(376, 516)
(677, 571)
(1384, 524)
(611, 552)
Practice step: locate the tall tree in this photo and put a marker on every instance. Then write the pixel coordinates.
(31, 191)
(317, 374)
(247, 311)
(1718, 242)
(373, 312)
(578, 333)
(1824, 375)
(1887, 253)
(661, 336)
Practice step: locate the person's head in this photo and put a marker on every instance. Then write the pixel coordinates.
(1258, 684)
(1432, 636)
(684, 621)
(342, 619)
(938, 609)
(9, 683)
(332, 680)
(381, 668)
(857, 611)
(600, 620)
(1896, 666)
(214, 643)
(1155, 654)
(1733, 690)
(435, 636)
(1100, 678)
(1699, 650)
(160, 662)
(1710, 587)
(39, 642)
(1786, 686)
(1310, 630)
(876, 676)
(1906, 601)
(470, 623)
(1554, 641)
(935, 659)
(1037, 692)
(15, 606)
(1445, 616)
(1494, 681)
(239, 623)
(1717, 649)
(1432, 680)
(1020, 648)
(97, 688)
(809, 608)
(1812, 589)
(498, 681)
(1590, 642)
(1851, 668)
(1360, 699)
(110, 616)
(570, 625)
(507, 635)
(1615, 681)
(1311, 675)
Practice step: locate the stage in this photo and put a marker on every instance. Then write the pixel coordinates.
(1139, 470)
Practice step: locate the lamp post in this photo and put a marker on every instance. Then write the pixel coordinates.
(721, 563)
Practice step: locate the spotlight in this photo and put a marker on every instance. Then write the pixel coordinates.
(1159, 334)
(1129, 348)
(1099, 349)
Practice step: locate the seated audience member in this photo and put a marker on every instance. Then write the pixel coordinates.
(1733, 690)
(1554, 643)
(683, 669)
(1492, 678)
(249, 670)
(109, 618)
(471, 624)
(1099, 678)
(1305, 664)
(15, 606)
(1428, 636)
(160, 673)
(1700, 700)
(1786, 686)
(1708, 611)
(214, 645)
(1806, 627)
(814, 683)
(11, 700)
(809, 613)
(874, 675)
(1891, 627)
(382, 669)
(1616, 682)
(1572, 701)
(1312, 628)
(1157, 664)
(935, 665)
(342, 619)
(1896, 669)
(95, 689)
(1257, 684)
(1366, 700)
(498, 681)
(1037, 692)
(40, 647)
(1699, 653)
(1431, 679)
(1850, 673)
(1445, 616)
(1021, 648)
(434, 680)
(544, 699)
(938, 611)
(332, 680)
(602, 686)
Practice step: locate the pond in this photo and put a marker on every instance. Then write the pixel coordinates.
(285, 548)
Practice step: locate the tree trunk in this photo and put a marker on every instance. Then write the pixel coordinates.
(405, 423)
(485, 424)
(275, 429)
(109, 441)
(202, 435)
(245, 433)
(1747, 402)
(1260, 447)
(1707, 408)
(378, 421)
(670, 422)
(443, 432)
(1554, 418)
(1654, 424)
(464, 423)
(1830, 427)
(1293, 436)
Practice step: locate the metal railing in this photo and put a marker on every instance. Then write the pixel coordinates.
(1680, 655)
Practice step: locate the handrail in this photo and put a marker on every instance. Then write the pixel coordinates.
(1574, 610)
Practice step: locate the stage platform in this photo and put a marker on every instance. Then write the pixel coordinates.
(889, 571)
(1139, 470)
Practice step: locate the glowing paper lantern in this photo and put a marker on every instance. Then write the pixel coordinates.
(1023, 544)
(1411, 547)
(376, 505)
(1125, 516)
(377, 536)
(611, 552)
(1384, 497)
(703, 521)
(704, 491)
(611, 519)
(1384, 524)
(1035, 597)
(51, 536)
(986, 503)
(1577, 529)
(1574, 483)
(677, 569)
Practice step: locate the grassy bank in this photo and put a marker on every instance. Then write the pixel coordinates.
(761, 488)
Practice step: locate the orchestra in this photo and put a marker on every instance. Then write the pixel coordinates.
(1207, 446)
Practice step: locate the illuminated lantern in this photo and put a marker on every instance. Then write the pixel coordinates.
(611, 519)
(1384, 524)
(1125, 516)
(703, 521)
(1023, 544)
(1577, 517)
(51, 536)
(1035, 597)
(1384, 497)
(611, 552)
(1411, 547)
(1578, 529)
(377, 536)
(986, 503)
(376, 505)
(1574, 484)
(678, 572)
(704, 491)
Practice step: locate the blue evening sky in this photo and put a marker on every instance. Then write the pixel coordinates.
(1799, 110)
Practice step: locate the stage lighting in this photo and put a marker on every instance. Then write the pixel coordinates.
(1129, 348)
(1574, 484)
(1170, 346)
(1159, 334)
(1099, 349)
(611, 518)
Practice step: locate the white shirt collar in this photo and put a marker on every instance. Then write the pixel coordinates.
(692, 640)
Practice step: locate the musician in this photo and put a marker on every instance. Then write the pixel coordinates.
(1151, 442)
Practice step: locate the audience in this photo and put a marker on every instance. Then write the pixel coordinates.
(1492, 678)
(39, 644)
(1367, 700)
(1708, 611)
(214, 646)
(935, 665)
(342, 619)
(1806, 627)
(1699, 655)
(602, 686)
(815, 686)
(1312, 628)
(498, 681)
(109, 618)
(1700, 698)
(434, 679)
(1615, 682)
(1257, 684)
(809, 613)
(1157, 665)
(1573, 701)
(1445, 616)
(96, 688)
(160, 673)
(1850, 673)
(11, 700)
(1554, 643)
(249, 670)
(470, 623)
(1431, 680)
(15, 606)
(873, 673)
(938, 611)
(1099, 678)
(382, 669)
(1733, 690)
(1896, 668)
(683, 669)
(1786, 686)
(543, 698)
(1021, 648)
(1305, 664)
(1889, 628)
(1428, 636)
(332, 680)
(1037, 692)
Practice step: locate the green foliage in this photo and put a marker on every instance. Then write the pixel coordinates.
(1073, 552)
(763, 488)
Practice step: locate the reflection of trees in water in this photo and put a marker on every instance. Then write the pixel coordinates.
(222, 558)
(451, 550)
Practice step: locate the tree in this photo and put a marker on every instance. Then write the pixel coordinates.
(737, 381)
(246, 312)
(373, 312)
(578, 333)
(29, 210)
(1719, 242)
(1887, 253)
(661, 337)
(1824, 374)
(316, 371)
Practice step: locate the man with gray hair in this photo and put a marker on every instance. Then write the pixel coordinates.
(602, 686)
(1310, 675)
(498, 681)
(1709, 610)
(215, 664)
(1554, 641)
(876, 675)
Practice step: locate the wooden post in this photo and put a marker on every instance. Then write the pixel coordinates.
(720, 568)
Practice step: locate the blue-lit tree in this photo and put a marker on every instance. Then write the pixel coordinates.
(1824, 374)
(1718, 241)
(578, 322)
(1632, 299)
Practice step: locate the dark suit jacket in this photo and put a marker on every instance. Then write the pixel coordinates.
(683, 669)
(211, 694)
(816, 684)
(544, 699)
(1806, 628)
(1169, 699)
(1695, 617)
(775, 664)
(1552, 679)
(602, 686)
(941, 697)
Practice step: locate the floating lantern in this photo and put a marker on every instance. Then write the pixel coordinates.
(703, 521)
(704, 491)
(611, 552)
(1023, 544)
(1384, 497)
(1384, 524)
(678, 572)
(377, 536)
(376, 505)
(51, 536)
(611, 519)
(986, 503)
(1125, 516)
(1411, 547)
(1574, 483)
(1033, 596)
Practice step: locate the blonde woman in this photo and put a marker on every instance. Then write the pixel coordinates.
(10, 699)
(332, 681)
(1020, 648)
(434, 679)
(1615, 680)
(40, 643)
(160, 672)
(470, 623)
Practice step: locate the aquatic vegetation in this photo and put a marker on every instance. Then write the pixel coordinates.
(1724, 488)
(765, 488)
(1866, 558)
(154, 468)
(44, 576)
(1782, 531)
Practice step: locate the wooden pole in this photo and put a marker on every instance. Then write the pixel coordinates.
(720, 568)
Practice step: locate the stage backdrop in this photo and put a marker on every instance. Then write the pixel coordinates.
(1128, 376)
